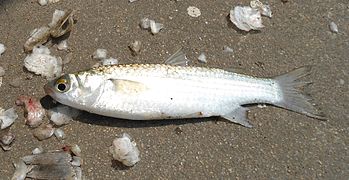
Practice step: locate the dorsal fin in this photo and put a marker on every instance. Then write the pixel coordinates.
(178, 58)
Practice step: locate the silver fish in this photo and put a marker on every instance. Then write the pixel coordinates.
(171, 91)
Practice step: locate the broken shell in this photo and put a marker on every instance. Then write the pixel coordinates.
(246, 18)
(37, 37)
(42, 63)
(202, 58)
(333, 27)
(43, 132)
(135, 47)
(6, 141)
(59, 133)
(263, 8)
(75, 149)
(61, 24)
(61, 114)
(109, 61)
(63, 45)
(20, 170)
(193, 11)
(124, 150)
(34, 112)
(38, 150)
(227, 49)
(145, 24)
(2, 49)
(7, 117)
(76, 161)
(155, 27)
(100, 54)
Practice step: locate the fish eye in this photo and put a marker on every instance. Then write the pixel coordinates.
(62, 85)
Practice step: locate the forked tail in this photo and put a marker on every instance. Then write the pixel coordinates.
(293, 98)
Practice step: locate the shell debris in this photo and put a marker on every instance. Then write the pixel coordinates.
(193, 11)
(62, 115)
(202, 58)
(6, 141)
(7, 117)
(42, 63)
(135, 47)
(100, 54)
(154, 27)
(227, 49)
(2, 49)
(62, 45)
(333, 27)
(109, 61)
(38, 150)
(59, 133)
(246, 18)
(34, 112)
(125, 150)
(43, 132)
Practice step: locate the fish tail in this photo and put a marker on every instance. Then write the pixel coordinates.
(293, 96)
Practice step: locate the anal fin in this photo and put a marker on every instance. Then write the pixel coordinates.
(239, 116)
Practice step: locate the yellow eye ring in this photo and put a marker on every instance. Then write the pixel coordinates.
(62, 85)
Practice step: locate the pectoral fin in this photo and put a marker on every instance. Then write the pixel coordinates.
(239, 116)
(128, 86)
(178, 58)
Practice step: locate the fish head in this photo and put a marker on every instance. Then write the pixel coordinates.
(65, 89)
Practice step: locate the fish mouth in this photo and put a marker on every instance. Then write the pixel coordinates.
(48, 90)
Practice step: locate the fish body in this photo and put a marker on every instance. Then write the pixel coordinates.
(160, 91)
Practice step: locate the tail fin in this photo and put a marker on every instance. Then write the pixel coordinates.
(294, 98)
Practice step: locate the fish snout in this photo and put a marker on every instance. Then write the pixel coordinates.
(48, 90)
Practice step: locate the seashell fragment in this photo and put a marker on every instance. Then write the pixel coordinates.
(43, 132)
(124, 150)
(246, 18)
(2, 49)
(6, 141)
(34, 112)
(193, 11)
(62, 115)
(100, 54)
(202, 58)
(7, 117)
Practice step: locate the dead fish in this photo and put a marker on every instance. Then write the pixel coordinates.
(172, 91)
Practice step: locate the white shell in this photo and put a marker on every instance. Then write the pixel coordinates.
(333, 27)
(7, 117)
(43, 2)
(155, 27)
(135, 47)
(56, 16)
(61, 114)
(2, 49)
(124, 150)
(42, 63)
(59, 133)
(76, 161)
(263, 8)
(37, 150)
(193, 11)
(145, 23)
(202, 58)
(246, 18)
(100, 54)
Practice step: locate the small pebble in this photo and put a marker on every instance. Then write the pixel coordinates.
(43, 132)
(333, 27)
(6, 141)
(16, 82)
(202, 58)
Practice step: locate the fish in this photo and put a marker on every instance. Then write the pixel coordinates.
(174, 90)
